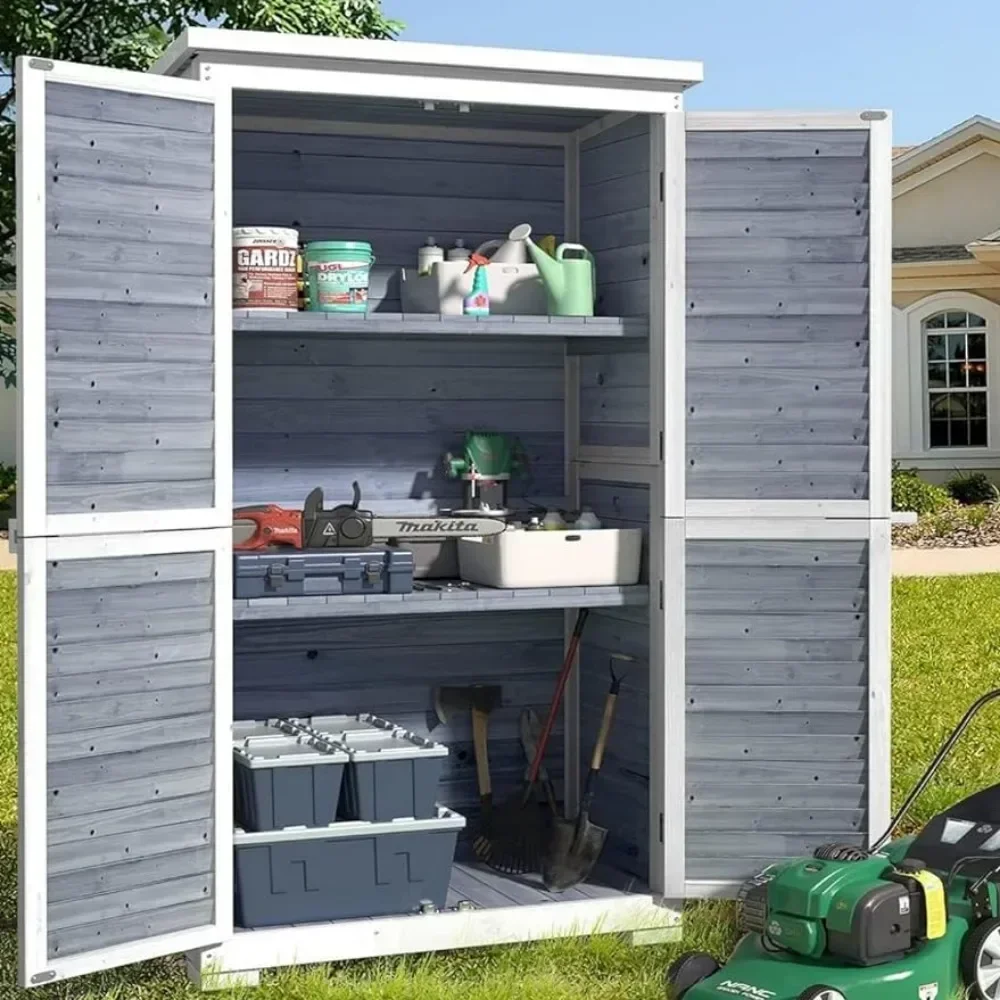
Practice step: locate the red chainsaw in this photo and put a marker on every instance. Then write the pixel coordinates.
(347, 525)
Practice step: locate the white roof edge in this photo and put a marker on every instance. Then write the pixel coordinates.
(194, 41)
(914, 158)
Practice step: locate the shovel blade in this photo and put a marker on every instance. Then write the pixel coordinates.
(573, 852)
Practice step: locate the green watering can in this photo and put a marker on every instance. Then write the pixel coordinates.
(570, 282)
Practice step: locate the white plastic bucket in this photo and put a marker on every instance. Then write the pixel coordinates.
(265, 268)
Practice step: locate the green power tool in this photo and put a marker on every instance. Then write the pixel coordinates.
(916, 918)
(487, 462)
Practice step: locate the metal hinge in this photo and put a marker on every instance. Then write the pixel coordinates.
(661, 595)
(661, 185)
(661, 446)
(43, 977)
(873, 116)
(45, 64)
(661, 828)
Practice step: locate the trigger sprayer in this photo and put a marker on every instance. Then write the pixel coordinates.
(477, 302)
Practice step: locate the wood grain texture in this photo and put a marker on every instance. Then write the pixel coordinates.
(778, 145)
(129, 301)
(777, 696)
(130, 745)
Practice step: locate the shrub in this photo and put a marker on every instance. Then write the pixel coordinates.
(972, 488)
(911, 493)
(8, 485)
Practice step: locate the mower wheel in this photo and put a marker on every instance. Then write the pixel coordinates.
(821, 993)
(981, 961)
(688, 970)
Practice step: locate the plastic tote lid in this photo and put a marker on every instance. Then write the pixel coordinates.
(350, 246)
(289, 751)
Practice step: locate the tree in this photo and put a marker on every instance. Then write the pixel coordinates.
(131, 34)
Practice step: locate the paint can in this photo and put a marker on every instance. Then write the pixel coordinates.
(265, 268)
(338, 273)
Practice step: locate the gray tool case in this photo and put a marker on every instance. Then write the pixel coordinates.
(322, 572)
(393, 773)
(344, 871)
(285, 777)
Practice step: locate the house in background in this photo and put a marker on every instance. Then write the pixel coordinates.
(946, 302)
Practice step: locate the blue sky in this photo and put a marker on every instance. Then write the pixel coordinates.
(930, 71)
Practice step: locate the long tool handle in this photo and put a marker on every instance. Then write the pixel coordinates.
(567, 667)
(597, 758)
(480, 721)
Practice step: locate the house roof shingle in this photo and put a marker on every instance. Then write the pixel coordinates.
(917, 255)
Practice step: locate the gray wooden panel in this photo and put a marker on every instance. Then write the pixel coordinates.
(727, 195)
(846, 459)
(782, 173)
(113, 255)
(794, 384)
(762, 223)
(819, 300)
(129, 300)
(776, 330)
(779, 486)
(755, 274)
(776, 695)
(705, 844)
(708, 430)
(106, 683)
(103, 576)
(81, 800)
(105, 348)
(132, 736)
(794, 248)
(73, 716)
(107, 831)
(133, 928)
(132, 846)
(124, 598)
(77, 498)
(113, 141)
(110, 905)
(777, 145)
(119, 767)
(93, 104)
(821, 405)
(112, 654)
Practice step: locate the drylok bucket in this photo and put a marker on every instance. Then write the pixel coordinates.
(265, 268)
(337, 275)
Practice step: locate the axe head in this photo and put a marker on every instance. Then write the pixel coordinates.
(450, 701)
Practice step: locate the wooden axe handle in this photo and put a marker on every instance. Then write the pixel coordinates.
(480, 723)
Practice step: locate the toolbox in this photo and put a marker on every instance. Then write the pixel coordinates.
(393, 773)
(377, 570)
(344, 871)
(286, 779)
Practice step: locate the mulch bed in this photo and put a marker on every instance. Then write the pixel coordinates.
(957, 528)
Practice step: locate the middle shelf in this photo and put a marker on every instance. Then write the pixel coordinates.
(437, 601)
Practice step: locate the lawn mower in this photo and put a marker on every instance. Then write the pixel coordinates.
(915, 918)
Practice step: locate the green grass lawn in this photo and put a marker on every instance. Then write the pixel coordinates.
(946, 653)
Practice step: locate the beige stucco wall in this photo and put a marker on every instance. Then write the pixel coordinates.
(903, 299)
(955, 208)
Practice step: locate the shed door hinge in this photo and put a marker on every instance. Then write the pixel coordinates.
(661, 186)
(661, 595)
(661, 446)
(43, 64)
(661, 828)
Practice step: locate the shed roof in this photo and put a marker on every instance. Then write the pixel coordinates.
(310, 50)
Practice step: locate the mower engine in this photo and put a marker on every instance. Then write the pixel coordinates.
(844, 903)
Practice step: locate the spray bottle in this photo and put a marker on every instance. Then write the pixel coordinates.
(477, 302)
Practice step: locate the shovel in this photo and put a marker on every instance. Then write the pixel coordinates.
(576, 845)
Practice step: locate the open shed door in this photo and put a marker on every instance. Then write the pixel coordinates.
(124, 529)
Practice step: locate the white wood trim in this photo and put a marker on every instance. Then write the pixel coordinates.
(778, 508)
(35, 968)
(604, 124)
(672, 404)
(265, 43)
(618, 472)
(745, 121)
(223, 303)
(32, 500)
(308, 944)
(668, 710)
(435, 88)
(32, 655)
(124, 80)
(443, 133)
(880, 318)
(571, 695)
(777, 528)
(571, 189)
(606, 455)
(879, 678)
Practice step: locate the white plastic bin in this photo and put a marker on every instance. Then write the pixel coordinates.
(524, 559)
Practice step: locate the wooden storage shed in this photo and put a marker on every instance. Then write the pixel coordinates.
(730, 397)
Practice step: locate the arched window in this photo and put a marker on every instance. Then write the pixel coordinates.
(957, 379)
